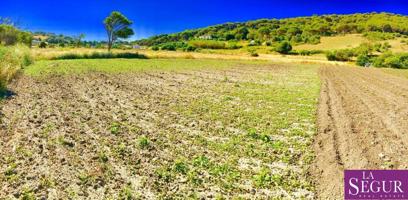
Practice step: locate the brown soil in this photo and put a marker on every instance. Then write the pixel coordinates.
(48, 139)
(56, 139)
(362, 124)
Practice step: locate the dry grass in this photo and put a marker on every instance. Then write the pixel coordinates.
(12, 59)
(396, 72)
(46, 54)
(335, 43)
(397, 46)
(350, 41)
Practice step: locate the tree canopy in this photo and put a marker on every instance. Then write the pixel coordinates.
(117, 27)
(295, 30)
(10, 35)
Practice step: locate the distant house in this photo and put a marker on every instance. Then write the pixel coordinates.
(205, 37)
(35, 42)
(136, 47)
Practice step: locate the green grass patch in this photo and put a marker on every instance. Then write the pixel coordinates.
(99, 55)
(63, 67)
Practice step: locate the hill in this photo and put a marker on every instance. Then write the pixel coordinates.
(300, 30)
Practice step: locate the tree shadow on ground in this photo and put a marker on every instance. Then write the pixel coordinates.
(6, 94)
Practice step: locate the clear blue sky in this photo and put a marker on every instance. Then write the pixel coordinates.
(152, 17)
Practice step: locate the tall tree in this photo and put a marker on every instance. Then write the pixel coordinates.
(117, 27)
(79, 39)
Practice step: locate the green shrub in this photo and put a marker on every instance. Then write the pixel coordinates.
(143, 142)
(169, 47)
(69, 56)
(315, 39)
(233, 45)
(307, 52)
(340, 55)
(399, 60)
(283, 47)
(12, 59)
(99, 55)
(173, 46)
(9, 35)
(365, 48)
(382, 47)
(129, 55)
(363, 60)
(189, 48)
(253, 53)
(43, 45)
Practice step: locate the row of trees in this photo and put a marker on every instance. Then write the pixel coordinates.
(295, 30)
(117, 27)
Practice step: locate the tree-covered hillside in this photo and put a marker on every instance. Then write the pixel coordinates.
(296, 30)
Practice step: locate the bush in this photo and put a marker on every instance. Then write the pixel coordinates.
(253, 53)
(363, 60)
(9, 35)
(189, 48)
(43, 45)
(129, 55)
(315, 39)
(283, 47)
(155, 48)
(307, 52)
(173, 46)
(233, 45)
(12, 59)
(340, 55)
(169, 47)
(381, 47)
(98, 55)
(399, 61)
(364, 48)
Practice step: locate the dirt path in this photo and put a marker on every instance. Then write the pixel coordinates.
(363, 121)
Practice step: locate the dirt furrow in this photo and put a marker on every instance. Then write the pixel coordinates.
(361, 123)
(386, 108)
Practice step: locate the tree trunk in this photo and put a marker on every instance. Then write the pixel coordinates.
(109, 46)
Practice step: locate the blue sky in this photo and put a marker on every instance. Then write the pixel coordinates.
(151, 17)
